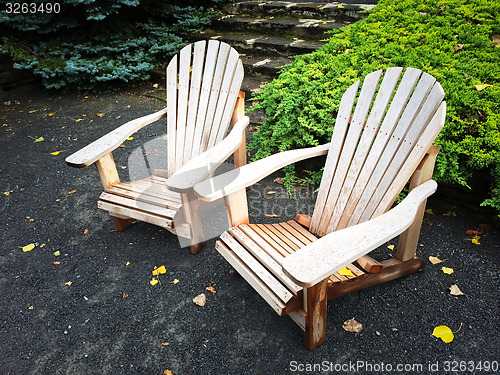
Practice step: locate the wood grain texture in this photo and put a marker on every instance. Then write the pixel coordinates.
(334, 251)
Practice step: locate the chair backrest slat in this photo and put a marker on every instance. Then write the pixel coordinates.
(376, 160)
(203, 82)
(194, 96)
(372, 126)
(339, 132)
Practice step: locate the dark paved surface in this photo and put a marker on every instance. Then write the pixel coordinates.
(47, 327)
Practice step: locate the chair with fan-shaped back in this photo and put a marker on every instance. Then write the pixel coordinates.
(378, 145)
(203, 98)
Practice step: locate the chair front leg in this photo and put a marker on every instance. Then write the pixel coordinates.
(315, 306)
(192, 215)
(109, 177)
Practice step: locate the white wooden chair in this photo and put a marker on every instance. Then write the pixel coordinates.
(203, 96)
(375, 149)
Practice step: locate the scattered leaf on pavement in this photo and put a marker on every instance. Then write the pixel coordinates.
(31, 307)
(270, 215)
(72, 191)
(154, 281)
(200, 299)
(390, 247)
(127, 264)
(55, 153)
(271, 192)
(68, 283)
(56, 263)
(352, 325)
(100, 114)
(175, 281)
(51, 114)
(56, 253)
(475, 241)
(125, 295)
(130, 138)
(447, 270)
(444, 333)
(168, 372)
(159, 270)
(7, 193)
(454, 290)
(85, 231)
(78, 120)
(429, 211)
(434, 260)
(211, 289)
(165, 344)
(40, 139)
(29, 247)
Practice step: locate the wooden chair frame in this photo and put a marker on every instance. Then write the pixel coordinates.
(309, 274)
(183, 173)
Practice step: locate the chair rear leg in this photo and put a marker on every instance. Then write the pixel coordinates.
(315, 303)
(122, 224)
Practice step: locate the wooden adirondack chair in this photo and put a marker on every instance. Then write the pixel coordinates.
(374, 151)
(203, 83)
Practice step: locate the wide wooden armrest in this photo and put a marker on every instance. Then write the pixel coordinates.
(238, 179)
(202, 166)
(318, 260)
(107, 143)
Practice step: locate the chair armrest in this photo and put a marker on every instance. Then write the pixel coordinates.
(107, 143)
(238, 179)
(320, 259)
(202, 166)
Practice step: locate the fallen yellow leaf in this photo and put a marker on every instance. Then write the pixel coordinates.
(31, 307)
(475, 241)
(78, 120)
(455, 290)
(130, 138)
(51, 114)
(5, 124)
(33, 111)
(72, 191)
(482, 87)
(127, 264)
(429, 211)
(55, 153)
(390, 247)
(345, 272)
(352, 325)
(168, 372)
(40, 139)
(159, 270)
(29, 247)
(444, 333)
(68, 283)
(447, 270)
(341, 6)
(175, 281)
(7, 193)
(100, 114)
(153, 281)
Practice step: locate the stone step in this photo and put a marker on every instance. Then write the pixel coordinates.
(325, 10)
(263, 67)
(308, 28)
(265, 45)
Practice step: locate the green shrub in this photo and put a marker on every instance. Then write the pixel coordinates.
(450, 39)
(90, 43)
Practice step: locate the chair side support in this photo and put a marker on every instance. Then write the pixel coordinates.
(408, 240)
(240, 155)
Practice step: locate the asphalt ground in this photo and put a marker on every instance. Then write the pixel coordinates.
(111, 320)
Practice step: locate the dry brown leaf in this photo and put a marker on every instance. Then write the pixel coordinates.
(200, 300)
(270, 215)
(85, 231)
(471, 232)
(279, 180)
(100, 114)
(125, 295)
(168, 372)
(458, 47)
(211, 289)
(455, 290)
(352, 325)
(496, 41)
(56, 263)
(434, 260)
(165, 344)
(271, 192)
(72, 191)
